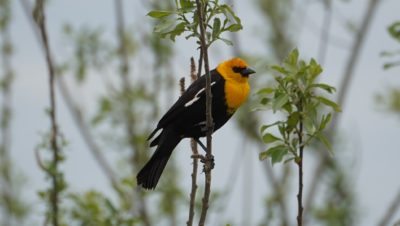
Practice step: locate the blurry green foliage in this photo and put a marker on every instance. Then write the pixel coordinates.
(394, 32)
(278, 15)
(89, 50)
(389, 101)
(92, 208)
(338, 207)
(14, 208)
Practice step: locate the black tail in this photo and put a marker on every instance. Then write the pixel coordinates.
(150, 174)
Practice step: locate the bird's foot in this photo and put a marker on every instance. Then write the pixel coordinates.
(208, 161)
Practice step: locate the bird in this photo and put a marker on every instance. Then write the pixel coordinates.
(187, 116)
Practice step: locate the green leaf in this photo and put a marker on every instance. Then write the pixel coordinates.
(185, 4)
(269, 138)
(264, 127)
(159, 14)
(228, 42)
(280, 69)
(165, 26)
(178, 30)
(277, 153)
(227, 9)
(282, 129)
(309, 125)
(324, 121)
(315, 69)
(394, 30)
(265, 101)
(293, 119)
(329, 103)
(390, 65)
(263, 155)
(289, 159)
(328, 88)
(293, 58)
(216, 28)
(268, 90)
(288, 107)
(326, 142)
(234, 27)
(280, 101)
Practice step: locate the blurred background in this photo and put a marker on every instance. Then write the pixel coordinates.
(116, 77)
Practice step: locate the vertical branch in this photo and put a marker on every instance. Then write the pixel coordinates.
(77, 114)
(271, 177)
(353, 58)
(124, 66)
(201, 11)
(342, 91)
(87, 136)
(391, 211)
(324, 40)
(300, 165)
(195, 152)
(39, 17)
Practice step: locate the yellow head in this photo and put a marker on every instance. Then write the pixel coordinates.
(236, 74)
(235, 69)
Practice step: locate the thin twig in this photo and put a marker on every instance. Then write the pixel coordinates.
(127, 90)
(394, 206)
(342, 92)
(76, 113)
(122, 49)
(271, 178)
(201, 10)
(87, 136)
(324, 39)
(193, 145)
(39, 17)
(353, 58)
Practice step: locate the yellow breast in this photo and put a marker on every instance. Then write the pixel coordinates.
(236, 93)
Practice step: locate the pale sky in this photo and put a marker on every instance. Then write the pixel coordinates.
(370, 135)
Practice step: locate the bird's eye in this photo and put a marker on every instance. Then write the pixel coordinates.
(238, 69)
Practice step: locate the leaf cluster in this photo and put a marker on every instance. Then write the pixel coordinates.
(394, 32)
(50, 163)
(93, 208)
(219, 18)
(296, 97)
(89, 50)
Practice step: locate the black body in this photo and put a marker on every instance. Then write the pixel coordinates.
(186, 118)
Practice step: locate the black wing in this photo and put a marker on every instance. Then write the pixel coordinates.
(193, 92)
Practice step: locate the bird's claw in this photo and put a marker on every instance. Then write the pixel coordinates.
(208, 161)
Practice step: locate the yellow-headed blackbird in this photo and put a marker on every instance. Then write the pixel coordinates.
(187, 118)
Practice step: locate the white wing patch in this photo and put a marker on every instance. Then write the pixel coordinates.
(197, 96)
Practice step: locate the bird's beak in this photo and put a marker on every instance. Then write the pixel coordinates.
(248, 71)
